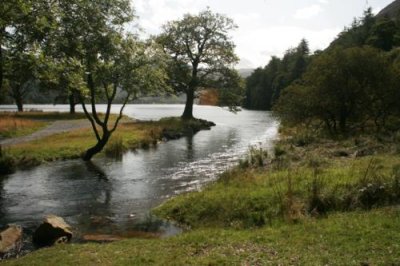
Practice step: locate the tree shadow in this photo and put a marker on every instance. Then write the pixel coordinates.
(189, 147)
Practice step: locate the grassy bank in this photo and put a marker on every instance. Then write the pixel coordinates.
(129, 136)
(303, 178)
(358, 238)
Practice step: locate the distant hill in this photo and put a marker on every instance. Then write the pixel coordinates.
(392, 10)
(245, 72)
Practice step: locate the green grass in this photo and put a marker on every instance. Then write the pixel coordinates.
(254, 197)
(69, 145)
(358, 238)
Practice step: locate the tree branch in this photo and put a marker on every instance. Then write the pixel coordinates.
(93, 100)
(89, 117)
(120, 113)
(109, 103)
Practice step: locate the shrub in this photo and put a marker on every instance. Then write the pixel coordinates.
(255, 158)
(115, 148)
(7, 164)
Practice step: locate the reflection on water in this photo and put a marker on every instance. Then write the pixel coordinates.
(109, 196)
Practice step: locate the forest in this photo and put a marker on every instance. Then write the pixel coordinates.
(351, 85)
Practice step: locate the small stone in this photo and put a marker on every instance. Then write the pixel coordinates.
(10, 241)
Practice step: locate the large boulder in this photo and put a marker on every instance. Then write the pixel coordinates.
(53, 230)
(10, 241)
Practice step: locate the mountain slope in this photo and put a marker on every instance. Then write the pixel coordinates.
(392, 10)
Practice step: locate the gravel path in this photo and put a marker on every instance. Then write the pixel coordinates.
(56, 127)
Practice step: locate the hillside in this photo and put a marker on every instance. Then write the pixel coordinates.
(245, 72)
(392, 10)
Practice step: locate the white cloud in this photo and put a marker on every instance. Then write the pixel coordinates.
(259, 45)
(266, 27)
(308, 12)
(154, 13)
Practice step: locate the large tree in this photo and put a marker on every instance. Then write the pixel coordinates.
(82, 32)
(24, 25)
(200, 50)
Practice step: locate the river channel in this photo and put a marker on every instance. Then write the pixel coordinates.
(115, 196)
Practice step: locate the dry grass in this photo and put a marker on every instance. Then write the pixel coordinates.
(12, 126)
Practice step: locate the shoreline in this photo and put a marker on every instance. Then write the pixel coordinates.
(130, 135)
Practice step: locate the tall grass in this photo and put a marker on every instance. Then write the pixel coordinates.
(115, 148)
(11, 126)
(254, 197)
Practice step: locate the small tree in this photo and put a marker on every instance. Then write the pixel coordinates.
(200, 51)
(135, 68)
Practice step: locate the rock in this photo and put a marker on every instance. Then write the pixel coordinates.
(53, 230)
(10, 241)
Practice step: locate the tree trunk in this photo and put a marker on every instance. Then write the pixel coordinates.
(1, 67)
(20, 106)
(2, 33)
(343, 123)
(72, 103)
(97, 148)
(188, 112)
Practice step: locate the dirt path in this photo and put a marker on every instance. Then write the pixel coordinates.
(56, 127)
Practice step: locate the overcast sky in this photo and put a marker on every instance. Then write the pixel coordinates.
(266, 27)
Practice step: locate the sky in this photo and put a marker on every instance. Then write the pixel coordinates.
(265, 27)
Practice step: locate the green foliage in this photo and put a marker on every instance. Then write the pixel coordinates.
(264, 85)
(358, 33)
(343, 89)
(24, 25)
(201, 55)
(380, 32)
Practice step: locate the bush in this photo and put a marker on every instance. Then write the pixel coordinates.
(255, 158)
(7, 163)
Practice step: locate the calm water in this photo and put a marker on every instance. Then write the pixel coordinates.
(108, 196)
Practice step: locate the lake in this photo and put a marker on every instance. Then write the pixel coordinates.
(115, 196)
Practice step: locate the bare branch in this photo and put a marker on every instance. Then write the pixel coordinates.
(89, 117)
(109, 103)
(93, 100)
(120, 113)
